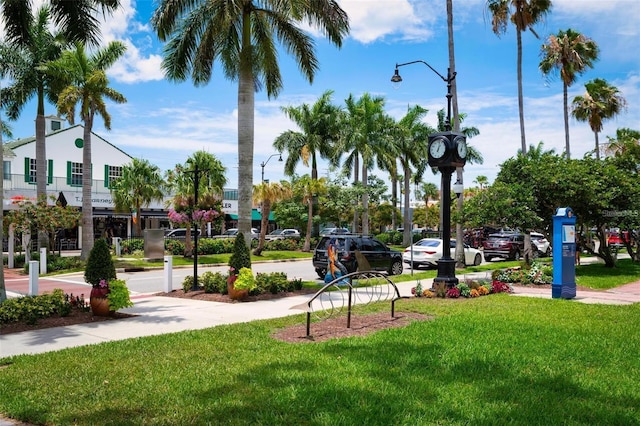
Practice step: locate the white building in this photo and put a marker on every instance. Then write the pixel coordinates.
(64, 176)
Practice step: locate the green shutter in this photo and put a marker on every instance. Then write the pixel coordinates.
(27, 163)
(68, 172)
(50, 172)
(106, 175)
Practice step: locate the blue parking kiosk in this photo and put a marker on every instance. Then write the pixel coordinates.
(564, 254)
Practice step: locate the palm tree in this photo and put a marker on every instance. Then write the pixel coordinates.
(267, 194)
(210, 174)
(523, 14)
(626, 139)
(307, 188)
(362, 135)
(240, 35)
(87, 86)
(31, 53)
(570, 54)
(140, 183)
(410, 146)
(319, 132)
(482, 181)
(600, 102)
(76, 19)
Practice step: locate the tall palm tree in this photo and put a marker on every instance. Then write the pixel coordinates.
(242, 36)
(32, 52)
(410, 146)
(482, 181)
(210, 174)
(362, 135)
(87, 86)
(600, 102)
(267, 194)
(307, 188)
(140, 183)
(318, 134)
(523, 14)
(570, 54)
(76, 19)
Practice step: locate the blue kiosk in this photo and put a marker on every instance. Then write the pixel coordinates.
(564, 254)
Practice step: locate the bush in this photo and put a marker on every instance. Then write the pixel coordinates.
(241, 257)
(174, 247)
(273, 282)
(132, 245)
(215, 246)
(289, 244)
(99, 265)
(32, 308)
(118, 295)
(213, 282)
(187, 283)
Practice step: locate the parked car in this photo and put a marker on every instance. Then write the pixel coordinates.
(543, 245)
(379, 256)
(232, 232)
(506, 246)
(281, 234)
(179, 233)
(617, 239)
(428, 251)
(334, 231)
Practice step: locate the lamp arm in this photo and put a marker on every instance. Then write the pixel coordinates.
(445, 79)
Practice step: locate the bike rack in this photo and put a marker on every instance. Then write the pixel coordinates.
(363, 287)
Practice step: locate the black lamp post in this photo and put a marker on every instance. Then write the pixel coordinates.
(264, 163)
(447, 150)
(196, 183)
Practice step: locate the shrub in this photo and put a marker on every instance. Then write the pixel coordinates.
(241, 257)
(453, 293)
(273, 282)
(245, 281)
(118, 295)
(187, 283)
(214, 246)
(174, 247)
(213, 282)
(32, 308)
(295, 284)
(132, 245)
(465, 291)
(99, 265)
(500, 287)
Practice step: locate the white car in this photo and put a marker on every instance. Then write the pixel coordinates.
(543, 245)
(281, 234)
(428, 251)
(230, 233)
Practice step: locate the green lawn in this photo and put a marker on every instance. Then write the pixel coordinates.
(492, 360)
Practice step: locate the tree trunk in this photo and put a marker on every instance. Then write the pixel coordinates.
(87, 206)
(566, 120)
(365, 201)
(264, 224)
(356, 174)
(41, 162)
(597, 147)
(406, 222)
(245, 130)
(523, 140)
(3, 289)
(307, 240)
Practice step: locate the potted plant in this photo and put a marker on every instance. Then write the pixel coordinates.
(99, 272)
(244, 283)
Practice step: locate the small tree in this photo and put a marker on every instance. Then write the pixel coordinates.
(241, 258)
(99, 265)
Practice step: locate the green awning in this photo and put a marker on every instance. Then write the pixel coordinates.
(255, 215)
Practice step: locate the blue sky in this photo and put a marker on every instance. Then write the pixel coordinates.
(166, 122)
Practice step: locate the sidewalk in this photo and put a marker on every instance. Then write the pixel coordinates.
(159, 315)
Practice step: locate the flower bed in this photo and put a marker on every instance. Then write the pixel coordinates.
(466, 289)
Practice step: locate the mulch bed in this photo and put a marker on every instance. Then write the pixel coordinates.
(75, 317)
(217, 297)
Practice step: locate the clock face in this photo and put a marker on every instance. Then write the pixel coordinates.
(437, 148)
(462, 149)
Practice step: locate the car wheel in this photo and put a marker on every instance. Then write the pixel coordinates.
(396, 268)
(477, 260)
(321, 273)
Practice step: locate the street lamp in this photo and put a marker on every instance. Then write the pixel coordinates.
(447, 150)
(264, 163)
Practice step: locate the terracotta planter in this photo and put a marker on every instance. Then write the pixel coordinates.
(99, 302)
(235, 294)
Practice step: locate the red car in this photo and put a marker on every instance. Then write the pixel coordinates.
(617, 239)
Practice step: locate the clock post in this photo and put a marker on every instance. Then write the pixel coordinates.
(446, 151)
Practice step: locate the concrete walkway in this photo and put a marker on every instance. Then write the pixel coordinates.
(160, 315)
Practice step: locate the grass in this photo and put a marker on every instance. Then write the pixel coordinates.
(213, 259)
(597, 276)
(492, 360)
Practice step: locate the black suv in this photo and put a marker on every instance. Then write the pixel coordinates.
(379, 256)
(506, 245)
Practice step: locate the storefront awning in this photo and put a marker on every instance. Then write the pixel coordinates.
(255, 215)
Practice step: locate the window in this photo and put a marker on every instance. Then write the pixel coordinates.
(30, 170)
(6, 170)
(75, 174)
(111, 173)
(55, 125)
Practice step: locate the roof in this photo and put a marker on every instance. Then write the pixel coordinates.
(25, 141)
